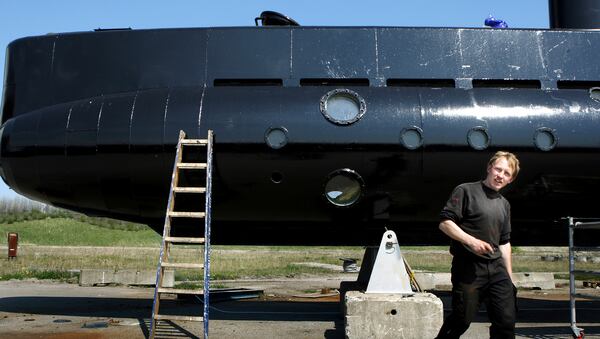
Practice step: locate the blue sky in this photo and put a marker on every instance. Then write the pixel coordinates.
(37, 17)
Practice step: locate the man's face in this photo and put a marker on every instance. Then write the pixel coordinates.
(499, 174)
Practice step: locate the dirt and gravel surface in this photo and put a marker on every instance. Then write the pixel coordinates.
(291, 308)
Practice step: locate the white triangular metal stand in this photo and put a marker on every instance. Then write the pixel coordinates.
(389, 273)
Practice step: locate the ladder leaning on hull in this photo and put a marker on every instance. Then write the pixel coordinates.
(169, 240)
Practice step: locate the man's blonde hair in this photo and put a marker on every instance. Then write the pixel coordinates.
(513, 162)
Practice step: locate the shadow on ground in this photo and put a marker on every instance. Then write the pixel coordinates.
(141, 309)
(541, 319)
(537, 318)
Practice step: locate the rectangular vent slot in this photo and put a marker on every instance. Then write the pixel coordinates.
(432, 83)
(334, 82)
(576, 84)
(501, 83)
(112, 29)
(248, 82)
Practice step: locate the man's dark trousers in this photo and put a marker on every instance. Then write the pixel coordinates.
(475, 280)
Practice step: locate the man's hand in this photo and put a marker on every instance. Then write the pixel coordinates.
(452, 230)
(479, 246)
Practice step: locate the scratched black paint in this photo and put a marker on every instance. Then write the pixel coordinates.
(95, 131)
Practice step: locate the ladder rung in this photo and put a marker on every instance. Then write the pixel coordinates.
(194, 142)
(191, 165)
(177, 317)
(184, 240)
(187, 214)
(189, 190)
(182, 265)
(179, 291)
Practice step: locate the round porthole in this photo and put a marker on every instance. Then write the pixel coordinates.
(478, 138)
(411, 137)
(595, 93)
(342, 106)
(276, 137)
(276, 177)
(344, 187)
(544, 138)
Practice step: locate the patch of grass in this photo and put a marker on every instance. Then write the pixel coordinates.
(13, 217)
(186, 285)
(55, 258)
(424, 248)
(292, 271)
(433, 262)
(248, 270)
(41, 275)
(70, 232)
(112, 224)
(226, 275)
(16, 216)
(218, 286)
(534, 264)
(286, 248)
(578, 276)
(117, 249)
(226, 263)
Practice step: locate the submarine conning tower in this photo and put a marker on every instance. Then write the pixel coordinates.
(574, 14)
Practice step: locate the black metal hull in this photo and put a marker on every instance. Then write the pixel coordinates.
(90, 122)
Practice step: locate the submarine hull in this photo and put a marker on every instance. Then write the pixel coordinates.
(90, 122)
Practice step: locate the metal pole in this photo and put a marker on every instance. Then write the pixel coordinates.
(572, 278)
(207, 209)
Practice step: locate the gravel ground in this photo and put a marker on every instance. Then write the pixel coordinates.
(291, 309)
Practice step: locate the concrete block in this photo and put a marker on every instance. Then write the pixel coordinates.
(541, 280)
(385, 315)
(123, 277)
(431, 280)
(426, 280)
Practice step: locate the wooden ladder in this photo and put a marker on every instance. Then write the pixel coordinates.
(168, 240)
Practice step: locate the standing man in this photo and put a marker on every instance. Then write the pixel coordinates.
(477, 219)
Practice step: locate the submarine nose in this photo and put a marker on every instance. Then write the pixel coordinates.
(1, 159)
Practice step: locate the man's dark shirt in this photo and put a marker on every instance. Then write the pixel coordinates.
(481, 212)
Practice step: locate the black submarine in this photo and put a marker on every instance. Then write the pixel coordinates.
(323, 135)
